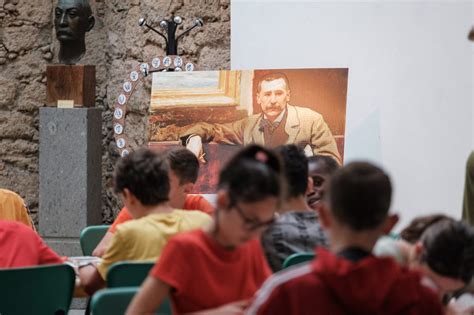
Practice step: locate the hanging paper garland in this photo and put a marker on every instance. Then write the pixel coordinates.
(168, 63)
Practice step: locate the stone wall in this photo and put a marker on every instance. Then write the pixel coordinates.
(115, 46)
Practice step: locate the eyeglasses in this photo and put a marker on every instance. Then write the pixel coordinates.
(251, 224)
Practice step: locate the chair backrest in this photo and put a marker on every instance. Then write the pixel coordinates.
(128, 274)
(115, 301)
(297, 258)
(36, 290)
(91, 236)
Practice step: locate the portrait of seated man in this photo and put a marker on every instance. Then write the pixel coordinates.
(279, 123)
(304, 107)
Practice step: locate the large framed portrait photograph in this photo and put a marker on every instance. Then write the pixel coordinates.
(224, 110)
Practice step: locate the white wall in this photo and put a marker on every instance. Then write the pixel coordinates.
(410, 94)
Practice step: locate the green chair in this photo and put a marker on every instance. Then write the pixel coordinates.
(132, 274)
(128, 274)
(115, 301)
(297, 258)
(112, 301)
(36, 290)
(91, 236)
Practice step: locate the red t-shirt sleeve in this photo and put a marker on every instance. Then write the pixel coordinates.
(46, 255)
(198, 202)
(173, 266)
(122, 217)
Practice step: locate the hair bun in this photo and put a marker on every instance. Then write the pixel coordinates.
(261, 156)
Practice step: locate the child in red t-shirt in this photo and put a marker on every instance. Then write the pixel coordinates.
(20, 246)
(219, 269)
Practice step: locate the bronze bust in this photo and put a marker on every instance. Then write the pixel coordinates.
(72, 20)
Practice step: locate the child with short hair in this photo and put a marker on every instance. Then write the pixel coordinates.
(349, 279)
(297, 228)
(320, 169)
(142, 181)
(183, 173)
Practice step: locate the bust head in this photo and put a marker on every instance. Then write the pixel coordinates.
(72, 20)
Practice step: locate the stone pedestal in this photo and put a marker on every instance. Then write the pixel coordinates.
(70, 175)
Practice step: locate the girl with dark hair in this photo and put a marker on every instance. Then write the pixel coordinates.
(412, 233)
(399, 246)
(219, 269)
(443, 252)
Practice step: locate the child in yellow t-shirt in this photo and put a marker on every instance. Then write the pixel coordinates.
(141, 180)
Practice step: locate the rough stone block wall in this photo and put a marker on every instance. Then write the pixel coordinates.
(115, 45)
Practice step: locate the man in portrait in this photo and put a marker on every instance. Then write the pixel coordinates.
(72, 20)
(279, 123)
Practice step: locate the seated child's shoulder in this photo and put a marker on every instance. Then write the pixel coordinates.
(195, 217)
(188, 239)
